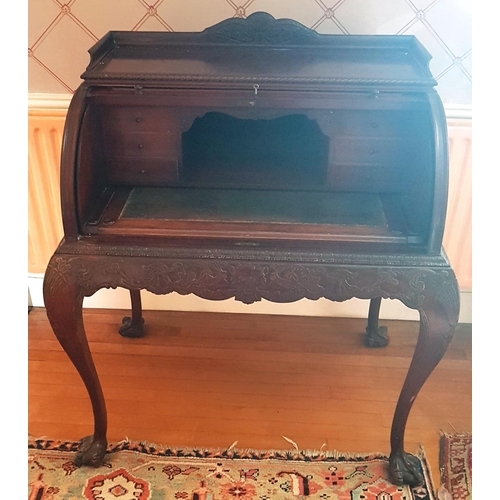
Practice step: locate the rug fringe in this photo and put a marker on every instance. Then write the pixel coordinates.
(296, 453)
(464, 434)
(150, 447)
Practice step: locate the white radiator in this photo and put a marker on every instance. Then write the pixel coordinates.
(457, 239)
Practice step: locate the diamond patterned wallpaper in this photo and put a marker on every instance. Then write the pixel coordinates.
(61, 31)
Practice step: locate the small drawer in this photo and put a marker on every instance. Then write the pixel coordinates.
(372, 123)
(138, 119)
(369, 178)
(141, 144)
(370, 150)
(126, 171)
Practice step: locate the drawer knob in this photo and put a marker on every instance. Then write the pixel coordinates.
(371, 151)
(140, 146)
(138, 119)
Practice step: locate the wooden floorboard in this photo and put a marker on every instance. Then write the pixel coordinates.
(210, 379)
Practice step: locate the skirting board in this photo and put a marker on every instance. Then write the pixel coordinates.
(354, 308)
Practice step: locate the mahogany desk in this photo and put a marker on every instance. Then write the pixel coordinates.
(256, 159)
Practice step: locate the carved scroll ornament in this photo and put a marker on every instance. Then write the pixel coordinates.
(249, 282)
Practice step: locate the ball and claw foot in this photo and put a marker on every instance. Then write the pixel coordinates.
(131, 328)
(376, 337)
(405, 469)
(90, 452)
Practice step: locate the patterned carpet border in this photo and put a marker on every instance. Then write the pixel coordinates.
(455, 464)
(328, 475)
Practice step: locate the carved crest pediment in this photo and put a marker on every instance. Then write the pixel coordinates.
(260, 28)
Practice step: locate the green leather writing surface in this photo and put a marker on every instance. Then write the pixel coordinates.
(240, 205)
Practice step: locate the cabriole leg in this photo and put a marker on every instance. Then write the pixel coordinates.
(376, 336)
(436, 329)
(133, 326)
(64, 309)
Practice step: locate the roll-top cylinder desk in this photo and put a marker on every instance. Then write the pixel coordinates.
(256, 159)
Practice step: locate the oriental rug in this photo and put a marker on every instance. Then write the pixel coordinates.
(455, 463)
(140, 471)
